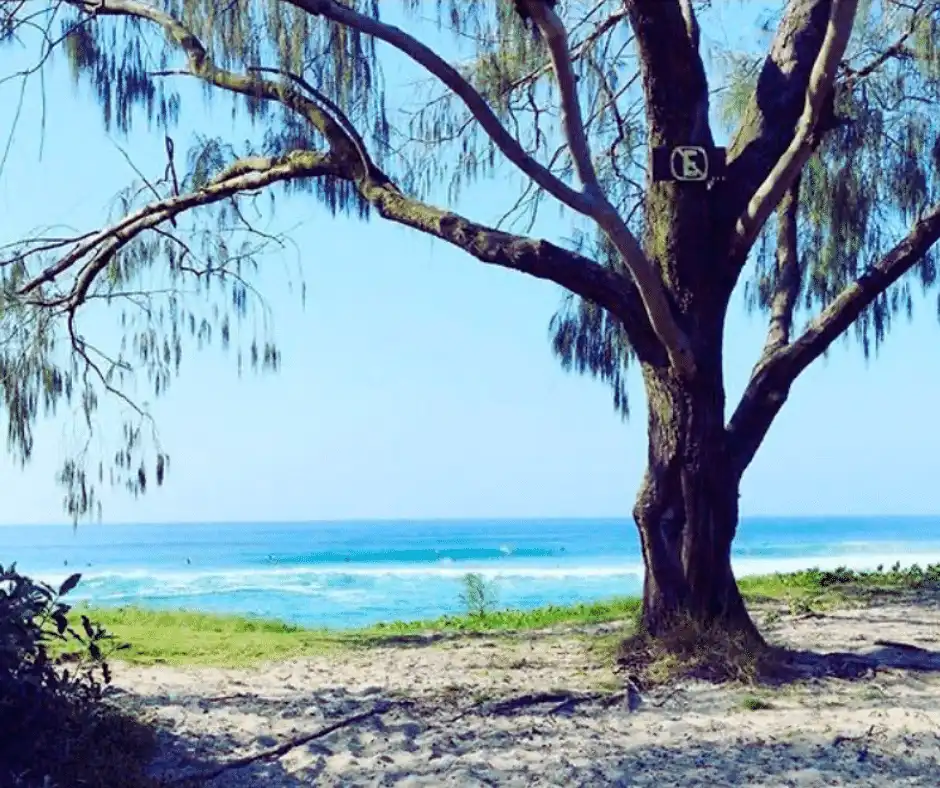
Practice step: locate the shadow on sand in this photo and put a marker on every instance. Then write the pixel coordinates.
(552, 738)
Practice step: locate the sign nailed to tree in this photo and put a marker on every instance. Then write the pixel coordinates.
(688, 163)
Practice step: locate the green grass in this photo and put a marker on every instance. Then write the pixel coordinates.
(615, 609)
(184, 637)
(820, 589)
(755, 703)
(179, 637)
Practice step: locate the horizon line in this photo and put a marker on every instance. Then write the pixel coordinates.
(454, 519)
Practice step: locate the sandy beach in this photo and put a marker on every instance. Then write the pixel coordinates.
(548, 709)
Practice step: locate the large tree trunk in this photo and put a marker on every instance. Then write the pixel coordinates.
(687, 508)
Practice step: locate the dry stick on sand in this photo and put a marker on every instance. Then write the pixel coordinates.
(281, 749)
(562, 700)
(861, 737)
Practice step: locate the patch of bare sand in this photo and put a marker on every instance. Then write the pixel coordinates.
(455, 713)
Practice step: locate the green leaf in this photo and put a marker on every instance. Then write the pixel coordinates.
(70, 582)
(61, 622)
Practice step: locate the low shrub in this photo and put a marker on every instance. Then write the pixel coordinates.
(56, 728)
(479, 595)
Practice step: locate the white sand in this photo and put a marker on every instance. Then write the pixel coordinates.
(445, 726)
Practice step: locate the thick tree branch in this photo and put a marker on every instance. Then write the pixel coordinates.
(774, 375)
(586, 202)
(818, 93)
(350, 161)
(675, 87)
(770, 121)
(603, 212)
(787, 286)
(537, 258)
(534, 257)
(440, 68)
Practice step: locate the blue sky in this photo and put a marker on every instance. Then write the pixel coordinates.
(418, 383)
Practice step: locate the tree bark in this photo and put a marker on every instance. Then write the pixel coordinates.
(687, 507)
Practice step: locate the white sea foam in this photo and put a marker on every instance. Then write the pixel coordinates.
(859, 561)
(244, 578)
(350, 583)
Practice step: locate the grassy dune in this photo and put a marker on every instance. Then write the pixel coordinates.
(192, 638)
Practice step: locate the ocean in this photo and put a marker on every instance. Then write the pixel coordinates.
(347, 574)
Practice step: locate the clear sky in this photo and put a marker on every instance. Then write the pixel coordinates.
(418, 383)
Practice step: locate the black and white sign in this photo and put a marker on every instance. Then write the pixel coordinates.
(688, 163)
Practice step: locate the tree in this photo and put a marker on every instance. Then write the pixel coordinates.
(836, 141)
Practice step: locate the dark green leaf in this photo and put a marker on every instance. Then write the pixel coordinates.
(61, 622)
(70, 582)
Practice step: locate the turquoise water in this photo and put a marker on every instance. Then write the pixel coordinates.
(354, 573)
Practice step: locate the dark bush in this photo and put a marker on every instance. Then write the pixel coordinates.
(56, 728)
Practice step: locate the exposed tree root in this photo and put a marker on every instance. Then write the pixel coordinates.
(689, 650)
(694, 652)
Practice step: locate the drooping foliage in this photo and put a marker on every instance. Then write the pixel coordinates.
(863, 186)
(319, 93)
(871, 174)
(133, 68)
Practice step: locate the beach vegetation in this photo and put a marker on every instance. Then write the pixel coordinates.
(183, 637)
(755, 703)
(827, 213)
(479, 595)
(56, 728)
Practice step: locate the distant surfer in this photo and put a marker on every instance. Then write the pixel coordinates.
(188, 561)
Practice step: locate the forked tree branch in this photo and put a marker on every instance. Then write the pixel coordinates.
(349, 157)
(585, 202)
(771, 381)
(790, 164)
(898, 49)
(347, 145)
(603, 212)
(440, 68)
(553, 30)
(770, 120)
(534, 257)
(243, 175)
(347, 160)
